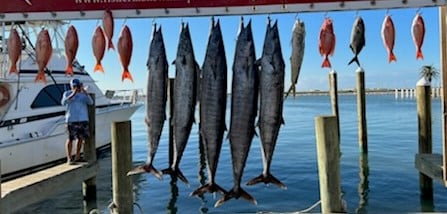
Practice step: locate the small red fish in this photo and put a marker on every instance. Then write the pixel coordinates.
(388, 36)
(327, 41)
(71, 48)
(418, 32)
(99, 47)
(125, 51)
(44, 50)
(14, 50)
(107, 24)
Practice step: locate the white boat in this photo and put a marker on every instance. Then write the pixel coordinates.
(32, 126)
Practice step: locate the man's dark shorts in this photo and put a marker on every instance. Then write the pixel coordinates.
(78, 130)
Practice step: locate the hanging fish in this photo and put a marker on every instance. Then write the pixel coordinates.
(108, 25)
(388, 36)
(14, 50)
(327, 42)
(418, 32)
(44, 50)
(296, 58)
(99, 47)
(71, 48)
(357, 39)
(125, 47)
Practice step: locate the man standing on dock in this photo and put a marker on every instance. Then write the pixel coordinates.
(76, 117)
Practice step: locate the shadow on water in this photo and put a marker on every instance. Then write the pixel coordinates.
(427, 204)
(363, 188)
(172, 207)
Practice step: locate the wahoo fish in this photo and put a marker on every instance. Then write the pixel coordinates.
(271, 103)
(156, 96)
(388, 36)
(296, 59)
(418, 32)
(14, 50)
(357, 39)
(99, 47)
(185, 98)
(213, 102)
(71, 48)
(125, 46)
(326, 43)
(44, 50)
(244, 102)
(108, 25)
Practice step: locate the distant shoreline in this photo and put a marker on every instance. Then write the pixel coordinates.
(344, 92)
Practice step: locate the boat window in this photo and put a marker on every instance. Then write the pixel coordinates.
(49, 96)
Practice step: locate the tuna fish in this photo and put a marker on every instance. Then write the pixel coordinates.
(296, 59)
(125, 47)
(108, 25)
(271, 103)
(71, 48)
(388, 36)
(357, 39)
(327, 42)
(244, 102)
(418, 32)
(14, 50)
(99, 47)
(44, 50)
(185, 89)
(213, 102)
(156, 96)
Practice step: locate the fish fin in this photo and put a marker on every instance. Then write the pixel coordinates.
(175, 173)
(288, 91)
(111, 46)
(69, 71)
(282, 121)
(146, 168)
(126, 75)
(326, 63)
(41, 77)
(355, 59)
(419, 55)
(210, 187)
(173, 62)
(266, 179)
(146, 120)
(392, 57)
(13, 69)
(254, 131)
(236, 194)
(98, 67)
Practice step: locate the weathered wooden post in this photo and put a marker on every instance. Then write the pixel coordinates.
(333, 92)
(423, 100)
(121, 164)
(89, 185)
(171, 122)
(361, 111)
(328, 153)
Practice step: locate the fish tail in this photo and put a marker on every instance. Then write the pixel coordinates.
(13, 69)
(266, 179)
(126, 75)
(111, 46)
(69, 70)
(236, 194)
(354, 59)
(210, 187)
(290, 90)
(392, 57)
(98, 67)
(146, 168)
(419, 54)
(41, 77)
(326, 63)
(176, 173)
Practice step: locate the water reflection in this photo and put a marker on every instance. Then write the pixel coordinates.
(172, 207)
(202, 175)
(427, 204)
(363, 188)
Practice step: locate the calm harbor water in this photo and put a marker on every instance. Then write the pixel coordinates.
(385, 181)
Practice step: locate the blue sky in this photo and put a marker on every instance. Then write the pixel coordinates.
(374, 59)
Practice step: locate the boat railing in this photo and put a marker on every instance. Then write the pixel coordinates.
(124, 96)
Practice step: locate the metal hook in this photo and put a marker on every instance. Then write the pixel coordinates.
(296, 16)
(97, 23)
(356, 14)
(326, 14)
(418, 11)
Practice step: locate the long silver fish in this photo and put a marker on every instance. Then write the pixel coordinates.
(357, 39)
(213, 102)
(271, 102)
(244, 100)
(296, 58)
(156, 96)
(185, 86)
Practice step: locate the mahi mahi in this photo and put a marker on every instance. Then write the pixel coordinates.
(156, 96)
(185, 89)
(296, 58)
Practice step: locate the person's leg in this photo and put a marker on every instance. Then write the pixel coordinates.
(79, 143)
(83, 132)
(69, 143)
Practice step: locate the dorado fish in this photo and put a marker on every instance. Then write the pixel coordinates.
(185, 89)
(326, 43)
(213, 102)
(44, 50)
(244, 102)
(357, 39)
(71, 44)
(271, 103)
(156, 96)
(125, 46)
(99, 47)
(418, 32)
(296, 59)
(388, 36)
(14, 50)
(108, 25)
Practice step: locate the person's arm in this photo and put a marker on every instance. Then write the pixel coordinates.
(66, 99)
(88, 99)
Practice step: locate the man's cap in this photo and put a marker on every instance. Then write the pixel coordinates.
(75, 82)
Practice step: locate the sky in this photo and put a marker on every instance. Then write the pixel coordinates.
(379, 73)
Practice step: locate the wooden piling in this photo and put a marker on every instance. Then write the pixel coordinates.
(121, 164)
(443, 71)
(171, 122)
(333, 92)
(424, 133)
(361, 111)
(89, 185)
(328, 152)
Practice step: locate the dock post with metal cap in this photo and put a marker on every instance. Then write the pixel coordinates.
(89, 185)
(333, 92)
(361, 110)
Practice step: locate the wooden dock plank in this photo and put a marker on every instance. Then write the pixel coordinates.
(431, 165)
(29, 189)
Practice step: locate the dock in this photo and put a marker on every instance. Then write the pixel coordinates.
(431, 165)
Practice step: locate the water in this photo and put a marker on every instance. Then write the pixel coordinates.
(388, 182)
